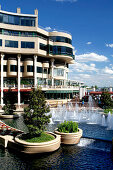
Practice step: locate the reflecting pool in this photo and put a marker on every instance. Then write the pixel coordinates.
(91, 153)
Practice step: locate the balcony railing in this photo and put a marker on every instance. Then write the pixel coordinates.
(29, 86)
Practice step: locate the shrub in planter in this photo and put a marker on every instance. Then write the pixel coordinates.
(35, 114)
(69, 131)
(37, 141)
(68, 127)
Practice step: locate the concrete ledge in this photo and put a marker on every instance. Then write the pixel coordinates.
(70, 138)
(34, 148)
(2, 116)
(5, 139)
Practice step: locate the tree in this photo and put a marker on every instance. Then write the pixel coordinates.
(35, 116)
(96, 87)
(10, 99)
(106, 101)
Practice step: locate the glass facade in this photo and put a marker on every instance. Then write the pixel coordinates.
(22, 69)
(17, 20)
(45, 70)
(61, 39)
(13, 68)
(0, 42)
(50, 49)
(5, 68)
(29, 68)
(27, 81)
(9, 43)
(22, 33)
(58, 72)
(10, 80)
(62, 50)
(43, 47)
(25, 44)
(39, 69)
(41, 81)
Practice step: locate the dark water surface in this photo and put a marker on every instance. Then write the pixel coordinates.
(89, 154)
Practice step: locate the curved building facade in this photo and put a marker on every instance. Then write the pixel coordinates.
(31, 56)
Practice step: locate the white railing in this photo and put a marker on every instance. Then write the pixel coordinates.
(23, 86)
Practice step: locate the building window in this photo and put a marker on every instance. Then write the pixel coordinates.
(22, 69)
(9, 43)
(50, 49)
(61, 39)
(39, 69)
(43, 47)
(62, 50)
(29, 68)
(5, 68)
(13, 68)
(45, 70)
(58, 72)
(22, 33)
(0, 42)
(25, 44)
(17, 20)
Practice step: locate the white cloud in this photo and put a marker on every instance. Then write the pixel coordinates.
(48, 29)
(85, 76)
(66, 0)
(82, 67)
(99, 79)
(91, 57)
(108, 70)
(88, 43)
(109, 45)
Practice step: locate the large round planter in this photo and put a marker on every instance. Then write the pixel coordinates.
(70, 138)
(34, 148)
(2, 116)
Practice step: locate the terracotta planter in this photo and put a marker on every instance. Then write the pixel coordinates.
(33, 148)
(2, 116)
(70, 138)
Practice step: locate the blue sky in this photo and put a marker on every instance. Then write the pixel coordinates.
(91, 25)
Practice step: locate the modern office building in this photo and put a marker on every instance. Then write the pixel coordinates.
(31, 56)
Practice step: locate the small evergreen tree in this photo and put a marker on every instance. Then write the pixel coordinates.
(35, 114)
(10, 99)
(106, 101)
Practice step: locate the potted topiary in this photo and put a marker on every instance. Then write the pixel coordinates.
(36, 119)
(9, 100)
(69, 131)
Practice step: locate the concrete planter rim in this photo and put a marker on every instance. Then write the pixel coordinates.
(70, 138)
(22, 142)
(62, 133)
(5, 116)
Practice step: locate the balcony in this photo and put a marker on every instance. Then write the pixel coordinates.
(44, 87)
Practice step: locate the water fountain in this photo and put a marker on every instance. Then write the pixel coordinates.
(96, 142)
(87, 114)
